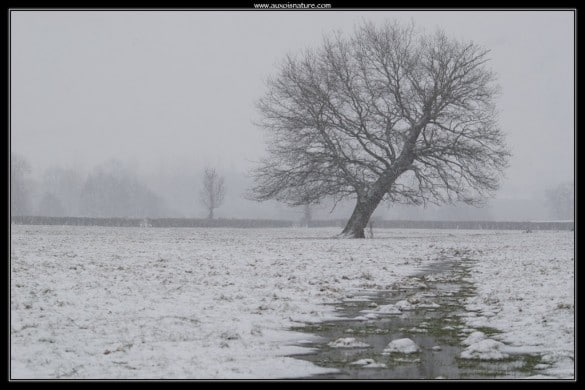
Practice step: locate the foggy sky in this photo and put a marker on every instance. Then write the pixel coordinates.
(166, 90)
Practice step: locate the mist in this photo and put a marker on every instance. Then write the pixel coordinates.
(142, 101)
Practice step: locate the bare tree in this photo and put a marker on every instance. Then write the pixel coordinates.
(561, 201)
(307, 215)
(213, 191)
(388, 113)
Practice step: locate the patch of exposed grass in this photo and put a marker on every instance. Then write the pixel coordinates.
(313, 328)
(477, 363)
(344, 360)
(499, 368)
(488, 331)
(530, 363)
(483, 373)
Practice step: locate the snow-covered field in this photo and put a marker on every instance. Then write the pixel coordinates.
(525, 286)
(95, 302)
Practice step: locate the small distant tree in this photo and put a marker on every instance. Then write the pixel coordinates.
(213, 191)
(561, 201)
(19, 189)
(307, 215)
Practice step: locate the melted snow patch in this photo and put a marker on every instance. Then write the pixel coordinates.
(401, 346)
(368, 363)
(347, 342)
(487, 349)
(388, 309)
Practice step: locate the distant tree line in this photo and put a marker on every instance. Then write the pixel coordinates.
(270, 223)
(110, 190)
(113, 190)
(152, 222)
(19, 185)
(470, 225)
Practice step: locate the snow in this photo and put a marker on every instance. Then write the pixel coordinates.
(474, 338)
(487, 349)
(404, 305)
(347, 342)
(431, 305)
(525, 288)
(405, 345)
(540, 377)
(388, 309)
(99, 302)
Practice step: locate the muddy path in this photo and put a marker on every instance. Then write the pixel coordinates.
(428, 309)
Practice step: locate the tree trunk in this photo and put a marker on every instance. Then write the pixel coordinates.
(365, 207)
(362, 212)
(210, 216)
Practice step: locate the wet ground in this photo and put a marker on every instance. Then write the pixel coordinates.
(433, 321)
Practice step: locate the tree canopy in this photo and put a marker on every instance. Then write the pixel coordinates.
(386, 113)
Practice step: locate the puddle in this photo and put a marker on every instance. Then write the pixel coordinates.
(432, 304)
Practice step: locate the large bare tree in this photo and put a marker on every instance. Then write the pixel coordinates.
(213, 191)
(388, 113)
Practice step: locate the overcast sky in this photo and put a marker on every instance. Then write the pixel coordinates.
(162, 89)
